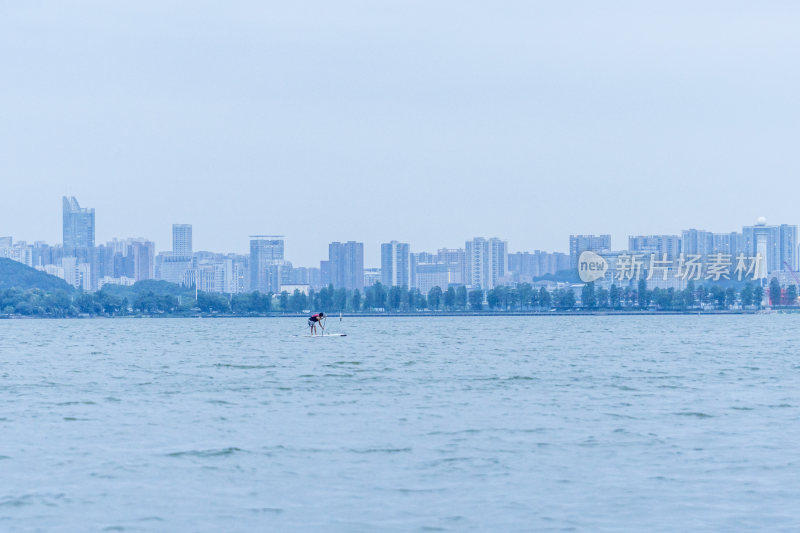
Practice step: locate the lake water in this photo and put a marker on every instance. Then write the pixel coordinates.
(413, 424)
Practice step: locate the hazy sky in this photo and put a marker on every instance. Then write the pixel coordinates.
(423, 121)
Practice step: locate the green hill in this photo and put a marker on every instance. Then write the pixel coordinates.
(14, 274)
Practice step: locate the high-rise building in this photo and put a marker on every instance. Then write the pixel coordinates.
(76, 274)
(777, 245)
(264, 250)
(455, 259)
(324, 273)
(346, 264)
(179, 266)
(498, 253)
(526, 266)
(78, 227)
(371, 276)
(395, 264)
(655, 244)
(279, 273)
(142, 253)
(582, 243)
(788, 247)
(486, 261)
(706, 243)
(477, 258)
(182, 240)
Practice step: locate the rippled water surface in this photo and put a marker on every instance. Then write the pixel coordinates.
(475, 423)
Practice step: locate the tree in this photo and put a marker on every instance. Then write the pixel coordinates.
(420, 300)
(111, 304)
(298, 301)
(524, 295)
(758, 296)
(434, 297)
(565, 299)
(310, 299)
(601, 295)
(415, 299)
(730, 297)
(491, 298)
(355, 300)
(643, 295)
(701, 294)
(688, 294)
(718, 296)
(326, 298)
(775, 292)
(375, 297)
(545, 299)
(85, 302)
(145, 302)
(395, 298)
(476, 299)
(339, 299)
(253, 302)
(791, 295)
(747, 295)
(614, 296)
(461, 297)
(502, 295)
(588, 296)
(284, 301)
(450, 298)
(209, 302)
(663, 298)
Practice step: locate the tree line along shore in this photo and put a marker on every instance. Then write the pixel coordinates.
(27, 292)
(161, 298)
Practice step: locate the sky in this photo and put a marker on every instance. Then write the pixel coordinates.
(429, 122)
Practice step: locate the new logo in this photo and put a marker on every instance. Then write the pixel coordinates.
(591, 267)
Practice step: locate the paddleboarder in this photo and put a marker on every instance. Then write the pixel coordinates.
(314, 320)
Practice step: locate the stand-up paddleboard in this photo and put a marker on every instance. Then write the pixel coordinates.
(326, 335)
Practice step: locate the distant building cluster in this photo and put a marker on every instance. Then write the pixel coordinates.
(482, 263)
(758, 252)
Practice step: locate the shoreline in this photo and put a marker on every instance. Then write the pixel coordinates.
(422, 314)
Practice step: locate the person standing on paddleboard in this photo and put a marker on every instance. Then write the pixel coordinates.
(314, 320)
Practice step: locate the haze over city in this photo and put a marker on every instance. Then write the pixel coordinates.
(426, 123)
(446, 265)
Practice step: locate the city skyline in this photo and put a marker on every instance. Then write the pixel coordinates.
(373, 250)
(482, 263)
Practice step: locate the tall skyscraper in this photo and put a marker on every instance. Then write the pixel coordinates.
(788, 247)
(78, 226)
(182, 240)
(178, 266)
(487, 262)
(395, 265)
(582, 243)
(477, 259)
(498, 253)
(346, 264)
(142, 253)
(264, 250)
(777, 245)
